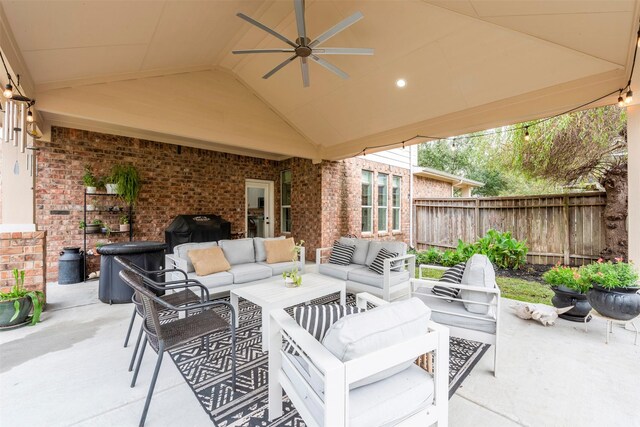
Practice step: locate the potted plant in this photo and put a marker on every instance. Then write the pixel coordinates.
(570, 289)
(92, 228)
(127, 181)
(124, 223)
(89, 180)
(614, 288)
(292, 279)
(105, 229)
(16, 305)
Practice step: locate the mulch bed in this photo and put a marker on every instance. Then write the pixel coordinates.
(529, 272)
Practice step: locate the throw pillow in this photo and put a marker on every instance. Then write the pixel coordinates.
(377, 265)
(341, 254)
(317, 319)
(279, 250)
(208, 261)
(452, 275)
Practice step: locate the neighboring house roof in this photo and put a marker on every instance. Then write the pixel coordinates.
(455, 180)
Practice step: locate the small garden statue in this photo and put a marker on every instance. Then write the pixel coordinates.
(545, 314)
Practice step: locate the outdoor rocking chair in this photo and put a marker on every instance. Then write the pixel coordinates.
(166, 336)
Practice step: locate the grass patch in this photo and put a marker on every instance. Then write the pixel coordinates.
(516, 289)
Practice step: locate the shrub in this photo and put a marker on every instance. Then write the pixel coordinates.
(567, 276)
(451, 257)
(609, 274)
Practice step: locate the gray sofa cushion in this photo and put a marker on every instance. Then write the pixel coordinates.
(181, 251)
(243, 273)
(362, 248)
(478, 272)
(338, 271)
(213, 280)
(392, 246)
(279, 267)
(456, 308)
(368, 277)
(238, 251)
(258, 243)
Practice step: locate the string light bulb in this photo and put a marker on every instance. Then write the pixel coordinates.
(527, 137)
(8, 91)
(620, 100)
(29, 117)
(628, 97)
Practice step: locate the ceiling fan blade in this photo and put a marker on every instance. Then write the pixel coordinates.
(337, 28)
(304, 64)
(302, 30)
(267, 29)
(329, 66)
(279, 66)
(342, 51)
(262, 51)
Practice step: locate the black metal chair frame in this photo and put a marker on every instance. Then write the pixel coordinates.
(153, 328)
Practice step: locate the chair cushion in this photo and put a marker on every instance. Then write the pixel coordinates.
(280, 250)
(391, 245)
(280, 267)
(341, 254)
(238, 251)
(258, 243)
(213, 280)
(368, 277)
(453, 311)
(362, 248)
(377, 266)
(208, 261)
(478, 272)
(452, 275)
(182, 251)
(338, 271)
(243, 273)
(355, 336)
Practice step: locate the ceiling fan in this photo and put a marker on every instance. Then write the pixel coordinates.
(305, 48)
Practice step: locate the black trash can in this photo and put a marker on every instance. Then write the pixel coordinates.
(147, 255)
(70, 266)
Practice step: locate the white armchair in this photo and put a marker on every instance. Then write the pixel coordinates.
(381, 387)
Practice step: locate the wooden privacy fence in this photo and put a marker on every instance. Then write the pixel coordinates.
(566, 228)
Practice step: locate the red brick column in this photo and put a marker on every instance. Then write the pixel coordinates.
(24, 251)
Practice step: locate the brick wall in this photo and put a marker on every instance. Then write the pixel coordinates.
(426, 187)
(24, 251)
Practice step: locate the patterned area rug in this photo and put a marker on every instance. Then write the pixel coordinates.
(210, 378)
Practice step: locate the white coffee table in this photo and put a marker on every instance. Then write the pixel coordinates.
(272, 294)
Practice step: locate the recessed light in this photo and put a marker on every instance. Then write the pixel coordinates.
(401, 83)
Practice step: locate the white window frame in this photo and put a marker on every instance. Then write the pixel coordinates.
(368, 207)
(399, 207)
(282, 205)
(383, 210)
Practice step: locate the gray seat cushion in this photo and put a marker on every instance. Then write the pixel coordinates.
(478, 272)
(238, 251)
(279, 267)
(368, 277)
(213, 280)
(243, 273)
(362, 248)
(258, 244)
(181, 251)
(338, 271)
(438, 305)
(392, 246)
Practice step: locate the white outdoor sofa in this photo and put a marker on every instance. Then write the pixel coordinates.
(394, 283)
(478, 293)
(383, 386)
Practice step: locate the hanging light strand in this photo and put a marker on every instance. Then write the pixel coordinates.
(17, 112)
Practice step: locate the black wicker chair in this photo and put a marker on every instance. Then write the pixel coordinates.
(165, 336)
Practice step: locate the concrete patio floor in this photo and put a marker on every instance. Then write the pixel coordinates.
(72, 370)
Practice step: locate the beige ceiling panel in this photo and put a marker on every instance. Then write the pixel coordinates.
(486, 8)
(464, 7)
(50, 24)
(63, 64)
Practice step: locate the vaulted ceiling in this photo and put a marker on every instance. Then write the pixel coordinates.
(164, 70)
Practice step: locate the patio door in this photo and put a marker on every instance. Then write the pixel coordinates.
(258, 208)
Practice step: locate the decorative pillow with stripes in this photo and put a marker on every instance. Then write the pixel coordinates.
(452, 275)
(341, 254)
(377, 265)
(317, 319)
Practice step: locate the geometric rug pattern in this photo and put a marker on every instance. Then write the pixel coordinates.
(210, 377)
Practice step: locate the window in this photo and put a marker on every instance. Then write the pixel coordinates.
(285, 201)
(396, 203)
(367, 201)
(383, 201)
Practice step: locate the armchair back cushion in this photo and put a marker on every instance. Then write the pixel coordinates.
(392, 246)
(355, 336)
(362, 248)
(478, 272)
(238, 251)
(279, 250)
(208, 261)
(261, 253)
(182, 251)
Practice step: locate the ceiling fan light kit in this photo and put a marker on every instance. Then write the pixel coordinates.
(305, 48)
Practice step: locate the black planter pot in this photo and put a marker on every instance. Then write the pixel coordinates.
(617, 303)
(7, 311)
(566, 297)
